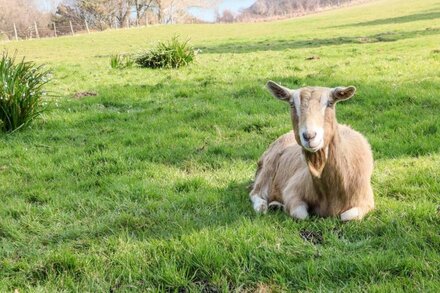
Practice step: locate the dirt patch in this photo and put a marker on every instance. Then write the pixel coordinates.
(80, 95)
(312, 236)
(313, 58)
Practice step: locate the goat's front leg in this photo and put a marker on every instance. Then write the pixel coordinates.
(258, 197)
(258, 203)
(355, 213)
(350, 214)
(293, 199)
(360, 207)
(297, 209)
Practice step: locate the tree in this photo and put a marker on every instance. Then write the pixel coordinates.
(226, 16)
(65, 15)
(174, 11)
(121, 11)
(142, 6)
(269, 8)
(100, 14)
(24, 14)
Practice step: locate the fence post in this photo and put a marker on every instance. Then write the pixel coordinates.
(71, 28)
(15, 31)
(146, 19)
(137, 21)
(36, 30)
(55, 29)
(128, 23)
(87, 26)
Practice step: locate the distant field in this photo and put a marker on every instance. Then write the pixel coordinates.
(144, 186)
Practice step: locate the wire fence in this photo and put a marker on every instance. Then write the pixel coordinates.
(67, 28)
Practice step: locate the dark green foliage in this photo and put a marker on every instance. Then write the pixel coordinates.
(171, 54)
(21, 92)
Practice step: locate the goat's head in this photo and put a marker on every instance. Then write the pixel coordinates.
(312, 111)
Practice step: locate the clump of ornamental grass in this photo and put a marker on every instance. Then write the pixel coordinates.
(173, 53)
(121, 61)
(21, 92)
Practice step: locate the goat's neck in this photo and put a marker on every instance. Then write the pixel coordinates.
(326, 158)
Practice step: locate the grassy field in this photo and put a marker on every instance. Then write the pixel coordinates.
(144, 186)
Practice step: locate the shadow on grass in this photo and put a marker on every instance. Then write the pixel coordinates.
(398, 20)
(280, 45)
(215, 125)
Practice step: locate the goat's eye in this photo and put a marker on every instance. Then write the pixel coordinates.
(329, 104)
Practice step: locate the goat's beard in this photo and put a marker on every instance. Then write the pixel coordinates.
(316, 161)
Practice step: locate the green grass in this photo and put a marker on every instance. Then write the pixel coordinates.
(144, 186)
(121, 61)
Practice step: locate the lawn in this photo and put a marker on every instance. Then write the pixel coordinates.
(145, 185)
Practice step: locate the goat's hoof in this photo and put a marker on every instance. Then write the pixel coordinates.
(259, 204)
(351, 214)
(299, 212)
(275, 205)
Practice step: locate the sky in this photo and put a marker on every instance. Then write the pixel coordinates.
(205, 14)
(233, 5)
(46, 4)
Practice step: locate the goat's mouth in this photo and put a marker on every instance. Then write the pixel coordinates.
(313, 147)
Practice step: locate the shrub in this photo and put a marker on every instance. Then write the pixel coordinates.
(171, 54)
(21, 92)
(121, 61)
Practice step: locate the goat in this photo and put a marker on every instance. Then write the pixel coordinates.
(320, 167)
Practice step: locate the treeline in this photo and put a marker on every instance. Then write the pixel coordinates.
(76, 15)
(103, 14)
(262, 9)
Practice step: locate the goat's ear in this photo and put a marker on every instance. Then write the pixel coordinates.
(279, 91)
(343, 93)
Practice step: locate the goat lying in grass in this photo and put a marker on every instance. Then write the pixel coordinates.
(321, 167)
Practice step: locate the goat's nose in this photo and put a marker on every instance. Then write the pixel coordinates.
(308, 135)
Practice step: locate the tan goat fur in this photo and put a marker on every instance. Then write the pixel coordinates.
(320, 167)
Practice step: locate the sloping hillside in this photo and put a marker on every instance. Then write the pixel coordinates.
(143, 187)
(269, 8)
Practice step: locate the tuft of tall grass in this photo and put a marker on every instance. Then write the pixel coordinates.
(21, 92)
(121, 61)
(170, 54)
